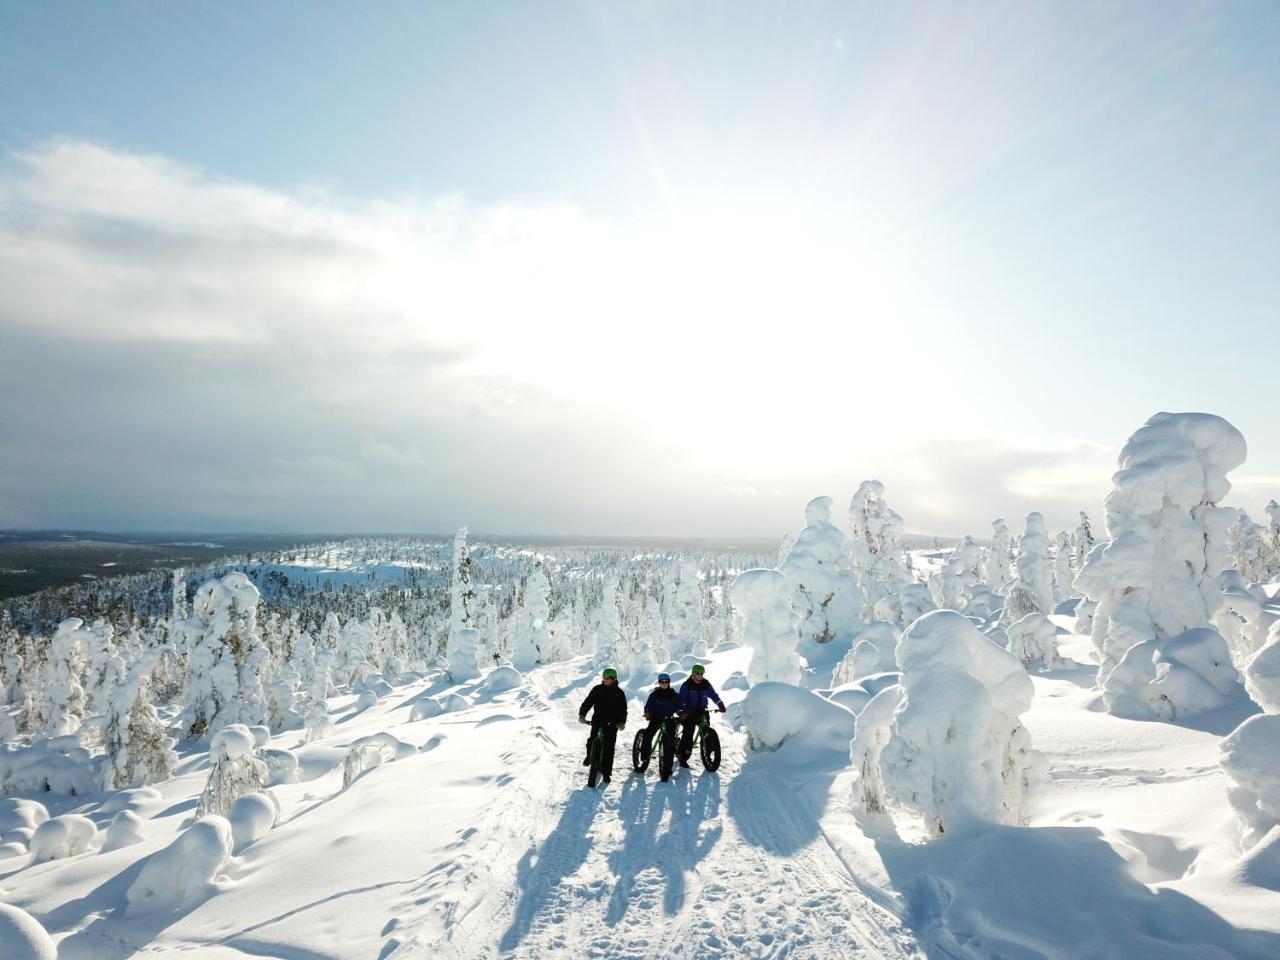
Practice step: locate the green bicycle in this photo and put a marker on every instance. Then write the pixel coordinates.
(708, 742)
(664, 742)
(597, 755)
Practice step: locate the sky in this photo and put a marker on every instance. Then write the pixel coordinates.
(625, 268)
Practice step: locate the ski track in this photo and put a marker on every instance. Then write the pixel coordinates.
(639, 869)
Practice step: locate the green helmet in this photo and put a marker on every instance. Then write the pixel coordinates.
(697, 669)
(610, 673)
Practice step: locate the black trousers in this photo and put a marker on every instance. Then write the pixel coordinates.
(610, 738)
(652, 728)
(687, 727)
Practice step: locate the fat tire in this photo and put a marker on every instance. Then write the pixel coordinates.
(639, 757)
(594, 775)
(666, 755)
(709, 749)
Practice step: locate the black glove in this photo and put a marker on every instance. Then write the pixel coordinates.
(582, 719)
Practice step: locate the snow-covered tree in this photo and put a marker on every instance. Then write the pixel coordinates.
(997, 568)
(531, 633)
(1032, 587)
(137, 744)
(683, 611)
(879, 561)
(767, 624)
(1157, 577)
(948, 743)
(609, 640)
(61, 700)
(462, 598)
(1082, 542)
(1249, 549)
(234, 770)
(227, 657)
(1033, 640)
(1062, 572)
(826, 596)
(953, 585)
(461, 655)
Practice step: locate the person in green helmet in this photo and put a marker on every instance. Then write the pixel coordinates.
(608, 706)
(692, 704)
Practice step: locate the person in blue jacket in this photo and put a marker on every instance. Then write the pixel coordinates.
(660, 711)
(692, 704)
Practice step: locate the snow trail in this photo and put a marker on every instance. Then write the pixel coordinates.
(641, 868)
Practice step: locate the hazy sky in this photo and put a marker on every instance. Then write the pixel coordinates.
(663, 268)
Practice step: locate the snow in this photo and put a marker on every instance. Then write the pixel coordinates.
(1174, 678)
(251, 817)
(22, 937)
(126, 828)
(63, 836)
(802, 725)
(183, 871)
(1251, 759)
(767, 624)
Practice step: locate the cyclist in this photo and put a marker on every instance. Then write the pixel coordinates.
(660, 711)
(609, 706)
(692, 704)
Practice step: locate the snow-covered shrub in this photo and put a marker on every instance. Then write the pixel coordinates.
(952, 585)
(1034, 641)
(805, 726)
(957, 753)
(425, 707)
(1251, 759)
(1173, 677)
(251, 817)
(372, 751)
(125, 829)
(1249, 548)
(1262, 673)
(282, 766)
(767, 624)
(461, 655)
(1241, 619)
(879, 561)
(1157, 576)
(318, 723)
(47, 766)
(500, 680)
(906, 606)
(22, 937)
(234, 770)
(827, 598)
(1032, 587)
(872, 731)
(227, 657)
(873, 652)
(182, 872)
(62, 837)
(62, 698)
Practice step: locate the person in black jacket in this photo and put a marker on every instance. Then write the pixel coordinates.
(609, 713)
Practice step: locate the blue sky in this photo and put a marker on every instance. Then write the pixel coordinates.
(625, 268)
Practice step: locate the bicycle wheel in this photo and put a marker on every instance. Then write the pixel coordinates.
(639, 757)
(666, 754)
(596, 750)
(710, 750)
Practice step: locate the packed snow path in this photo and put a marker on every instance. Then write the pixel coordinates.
(642, 868)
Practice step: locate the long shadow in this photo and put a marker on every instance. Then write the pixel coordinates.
(1018, 891)
(541, 869)
(776, 806)
(673, 854)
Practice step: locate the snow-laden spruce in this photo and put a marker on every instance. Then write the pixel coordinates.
(1250, 757)
(227, 657)
(1157, 577)
(1063, 573)
(827, 598)
(531, 634)
(1242, 618)
(62, 703)
(954, 750)
(234, 770)
(997, 566)
(880, 562)
(767, 624)
(138, 747)
(873, 651)
(1262, 673)
(461, 655)
(1032, 587)
(953, 585)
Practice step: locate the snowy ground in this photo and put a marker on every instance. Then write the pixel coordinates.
(487, 842)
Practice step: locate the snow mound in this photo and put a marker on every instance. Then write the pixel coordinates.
(874, 651)
(251, 817)
(455, 702)
(22, 937)
(128, 799)
(232, 742)
(425, 707)
(183, 871)
(372, 751)
(62, 837)
(1262, 673)
(1251, 759)
(1179, 677)
(282, 766)
(501, 679)
(802, 725)
(10, 849)
(856, 694)
(16, 813)
(261, 735)
(126, 828)
(736, 681)
(366, 700)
